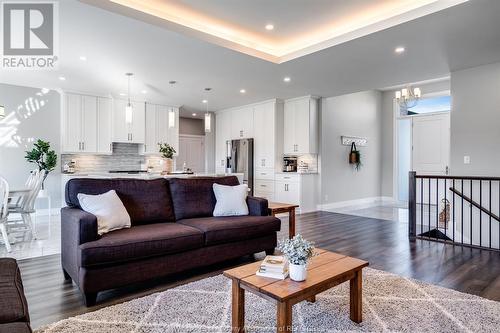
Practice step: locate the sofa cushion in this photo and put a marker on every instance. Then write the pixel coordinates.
(13, 305)
(233, 228)
(146, 201)
(194, 197)
(139, 242)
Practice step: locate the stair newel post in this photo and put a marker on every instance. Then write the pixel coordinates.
(412, 205)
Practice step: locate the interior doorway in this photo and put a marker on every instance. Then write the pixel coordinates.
(191, 152)
(422, 142)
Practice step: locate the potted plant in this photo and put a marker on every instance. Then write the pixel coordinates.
(297, 251)
(167, 153)
(43, 156)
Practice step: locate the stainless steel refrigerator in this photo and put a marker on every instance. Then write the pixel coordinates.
(240, 160)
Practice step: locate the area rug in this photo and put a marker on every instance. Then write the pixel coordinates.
(390, 303)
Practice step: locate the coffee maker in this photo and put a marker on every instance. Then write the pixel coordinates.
(289, 163)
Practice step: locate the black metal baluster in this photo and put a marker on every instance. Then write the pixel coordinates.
(421, 205)
(453, 194)
(445, 205)
(437, 207)
(462, 224)
(480, 212)
(429, 206)
(491, 211)
(470, 211)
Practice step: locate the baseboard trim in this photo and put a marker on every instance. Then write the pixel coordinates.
(357, 202)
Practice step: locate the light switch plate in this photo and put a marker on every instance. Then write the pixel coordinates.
(466, 159)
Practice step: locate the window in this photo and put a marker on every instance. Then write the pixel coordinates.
(431, 105)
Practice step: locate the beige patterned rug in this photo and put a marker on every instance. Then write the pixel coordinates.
(391, 303)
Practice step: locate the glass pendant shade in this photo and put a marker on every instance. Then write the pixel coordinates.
(171, 118)
(128, 113)
(208, 122)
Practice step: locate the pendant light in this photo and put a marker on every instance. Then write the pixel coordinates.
(208, 119)
(128, 109)
(171, 118)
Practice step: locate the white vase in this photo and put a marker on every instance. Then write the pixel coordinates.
(298, 272)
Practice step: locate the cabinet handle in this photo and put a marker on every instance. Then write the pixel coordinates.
(110, 147)
(131, 137)
(286, 177)
(263, 173)
(79, 146)
(83, 145)
(241, 133)
(263, 185)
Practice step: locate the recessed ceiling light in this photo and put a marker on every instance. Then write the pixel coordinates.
(62, 78)
(83, 58)
(204, 101)
(243, 91)
(144, 91)
(269, 26)
(123, 94)
(286, 79)
(399, 49)
(194, 114)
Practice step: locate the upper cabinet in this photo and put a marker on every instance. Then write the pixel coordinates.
(159, 129)
(133, 132)
(301, 126)
(242, 123)
(222, 135)
(86, 124)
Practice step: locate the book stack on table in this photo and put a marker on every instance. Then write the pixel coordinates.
(275, 267)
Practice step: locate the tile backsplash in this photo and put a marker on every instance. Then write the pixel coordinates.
(125, 156)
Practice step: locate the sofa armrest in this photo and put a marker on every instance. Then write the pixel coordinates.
(78, 225)
(257, 206)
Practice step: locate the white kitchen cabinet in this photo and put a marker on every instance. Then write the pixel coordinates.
(299, 189)
(264, 116)
(242, 123)
(158, 129)
(264, 189)
(222, 135)
(104, 125)
(86, 125)
(133, 132)
(301, 126)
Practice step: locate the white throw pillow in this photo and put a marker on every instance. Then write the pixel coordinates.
(231, 200)
(109, 210)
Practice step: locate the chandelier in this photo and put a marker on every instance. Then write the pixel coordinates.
(408, 98)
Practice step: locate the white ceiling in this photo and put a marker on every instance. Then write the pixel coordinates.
(459, 37)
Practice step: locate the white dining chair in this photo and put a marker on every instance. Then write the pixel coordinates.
(4, 212)
(25, 205)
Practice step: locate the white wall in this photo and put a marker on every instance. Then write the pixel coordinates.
(475, 121)
(358, 114)
(28, 117)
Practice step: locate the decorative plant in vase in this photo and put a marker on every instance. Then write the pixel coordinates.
(298, 252)
(167, 153)
(43, 156)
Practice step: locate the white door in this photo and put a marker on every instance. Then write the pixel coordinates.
(191, 152)
(89, 124)
(264, 116)
(104, 125)
(431, 144)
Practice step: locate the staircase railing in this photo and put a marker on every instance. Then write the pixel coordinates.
(457, 210)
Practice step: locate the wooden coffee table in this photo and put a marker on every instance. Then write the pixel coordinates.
(325, 271)
(279, 208)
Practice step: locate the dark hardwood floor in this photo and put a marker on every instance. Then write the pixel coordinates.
(383, 243)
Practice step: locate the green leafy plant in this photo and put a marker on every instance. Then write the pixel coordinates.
(297, 250)
(166, 150)
(43, 157)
